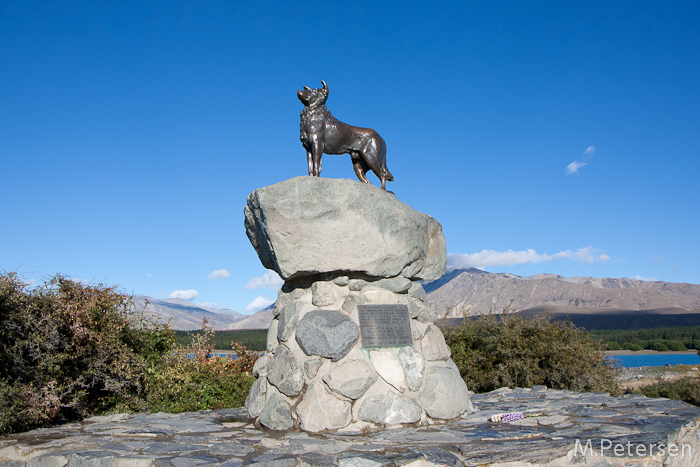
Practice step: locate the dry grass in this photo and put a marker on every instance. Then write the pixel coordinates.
(657, 374)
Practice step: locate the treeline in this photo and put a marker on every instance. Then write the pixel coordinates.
(661, 339)
(253, 339)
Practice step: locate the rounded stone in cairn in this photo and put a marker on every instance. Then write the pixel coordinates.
(327, 333)
(390, 409)
(284, 372)
(351, 378)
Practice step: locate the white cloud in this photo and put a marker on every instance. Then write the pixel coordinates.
(219, 274)
(148, 274)
(189, 294)
(586, 254)
(575, 165)
(210, 305)
(645, 279)
(258, 303)
(270, 280)
(487, 258)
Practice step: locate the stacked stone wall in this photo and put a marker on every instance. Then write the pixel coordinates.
(316, 375)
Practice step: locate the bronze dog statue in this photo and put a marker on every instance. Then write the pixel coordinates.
(322, 133)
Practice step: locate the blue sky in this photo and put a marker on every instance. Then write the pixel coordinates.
(546, 137)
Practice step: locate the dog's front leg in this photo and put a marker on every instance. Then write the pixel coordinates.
(317, 150)
(310, 161)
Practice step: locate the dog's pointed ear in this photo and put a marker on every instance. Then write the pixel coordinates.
(325, 87)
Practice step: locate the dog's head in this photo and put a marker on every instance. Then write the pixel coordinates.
(313, 97)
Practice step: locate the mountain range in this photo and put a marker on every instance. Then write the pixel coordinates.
(588, 301)
(467, 292)
(593, 303)
(184, 315)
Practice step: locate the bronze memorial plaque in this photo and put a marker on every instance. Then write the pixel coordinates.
(385, 325)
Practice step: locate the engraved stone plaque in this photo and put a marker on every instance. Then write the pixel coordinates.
(385, 325)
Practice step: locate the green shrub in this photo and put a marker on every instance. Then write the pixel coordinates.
(676, 346)
(25, 406)
(685, 389)
(613, 346)
(69, 350)
(631, 346)
(191, 379)
(493, 351)
(659, 347)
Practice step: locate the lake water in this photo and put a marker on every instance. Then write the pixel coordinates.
(633, 361)
(628, 361)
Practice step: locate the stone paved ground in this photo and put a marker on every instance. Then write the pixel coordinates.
(591, 429)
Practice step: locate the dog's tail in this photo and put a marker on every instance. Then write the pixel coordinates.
(387, 174)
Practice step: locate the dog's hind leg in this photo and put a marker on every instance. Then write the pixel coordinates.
(385, 174)
(360, 167)
(386, 177)
(370, 163)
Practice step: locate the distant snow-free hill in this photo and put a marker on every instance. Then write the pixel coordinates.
(258, 320)
(469, 292)
(186, 316)
(593, 303)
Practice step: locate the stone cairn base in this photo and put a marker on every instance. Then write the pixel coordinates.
(340, 245)
(316, 375)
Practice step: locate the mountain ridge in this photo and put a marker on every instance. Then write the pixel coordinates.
(184, 315)
(591, 302)
(468, 292)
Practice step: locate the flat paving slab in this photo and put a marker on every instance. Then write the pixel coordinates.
(566, 429)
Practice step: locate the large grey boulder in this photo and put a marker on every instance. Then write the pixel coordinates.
(272, 331)
(309, 225)
(445, 395)
(351, 378)
(285, 373)
(413, 366)
(434, 345)
(327, 333)
(288, 320)
(277, 413)
(389, 409)
(256, 398)
(319, 410)
(388, 366)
